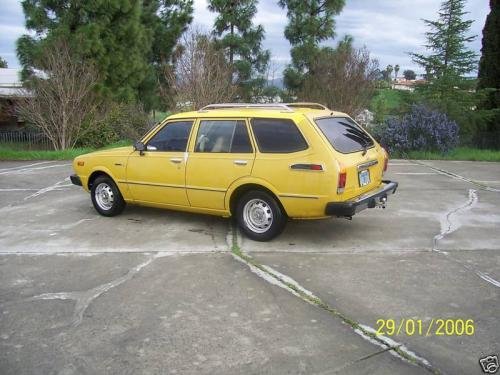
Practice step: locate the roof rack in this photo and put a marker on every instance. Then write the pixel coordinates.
(307, 105)
(283, 107)
(276, 106)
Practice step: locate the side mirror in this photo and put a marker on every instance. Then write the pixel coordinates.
(139, 146)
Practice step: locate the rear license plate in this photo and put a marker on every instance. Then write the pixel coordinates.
(364, 177)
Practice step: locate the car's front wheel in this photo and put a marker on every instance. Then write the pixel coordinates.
(260, 216)
(106, 197)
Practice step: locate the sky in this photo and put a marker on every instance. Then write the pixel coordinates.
(388, 28)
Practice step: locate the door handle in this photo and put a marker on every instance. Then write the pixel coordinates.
(176, 160)
(240, 162)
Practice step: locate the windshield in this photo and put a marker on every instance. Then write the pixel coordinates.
(344, 134)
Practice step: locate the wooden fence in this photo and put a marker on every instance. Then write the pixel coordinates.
(26, 139)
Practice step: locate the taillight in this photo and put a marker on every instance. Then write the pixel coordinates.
(342, 181)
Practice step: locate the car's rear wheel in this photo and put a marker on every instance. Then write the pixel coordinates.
(106, 197)
(260, 216)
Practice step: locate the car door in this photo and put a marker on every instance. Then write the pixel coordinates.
(157, 175)
(222, 153)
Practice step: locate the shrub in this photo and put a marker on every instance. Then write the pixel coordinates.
(422, 129)
(122, 122)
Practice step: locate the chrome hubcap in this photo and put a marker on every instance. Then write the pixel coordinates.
(104, 196)
(257, 215)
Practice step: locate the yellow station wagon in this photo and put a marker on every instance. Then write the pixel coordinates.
(261, 164)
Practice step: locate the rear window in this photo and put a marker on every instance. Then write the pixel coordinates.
(344, 134)
(277, 136)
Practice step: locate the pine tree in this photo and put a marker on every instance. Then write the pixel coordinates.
(166, 20)
(109, 33)
(447, 89)
(489, 71)
(242, 40)
(309, 23)
(125, 39)
(489, 67)
(447, 41)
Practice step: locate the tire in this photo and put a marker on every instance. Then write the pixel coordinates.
(106, 197)
(260, 216)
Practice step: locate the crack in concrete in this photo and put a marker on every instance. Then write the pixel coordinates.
(56, 187)
(275, 278)
(449, 226)
(83, 299)
(356, 361)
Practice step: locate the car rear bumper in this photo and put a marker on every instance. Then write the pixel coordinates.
(368, 200)
(75, 180)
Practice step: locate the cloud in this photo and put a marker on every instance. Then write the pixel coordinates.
(388, 28)
(391, 28)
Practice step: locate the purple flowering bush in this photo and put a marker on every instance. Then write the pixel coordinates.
(422, 129)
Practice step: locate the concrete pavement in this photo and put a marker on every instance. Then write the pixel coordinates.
(155, 291)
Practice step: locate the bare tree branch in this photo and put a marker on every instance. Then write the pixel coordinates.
(201, 75)
(343, 79)
(62, 99)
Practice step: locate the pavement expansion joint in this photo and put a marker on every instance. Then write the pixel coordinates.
(455, 176)
(276, 278)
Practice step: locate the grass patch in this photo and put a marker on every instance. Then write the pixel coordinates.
(9, 152)
(459, 153)
(251, 262)
(393, 100)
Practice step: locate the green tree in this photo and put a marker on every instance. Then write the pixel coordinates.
(243, 42)
(409, 75)
(124, 39)
(489, 70)
(389, 71)
(108, 33)
(447, 39)
(3, 63)
(167, 20)
(449, 60)
(396, 71)
(309, 23)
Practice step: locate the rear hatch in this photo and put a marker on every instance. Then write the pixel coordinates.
(357, 154)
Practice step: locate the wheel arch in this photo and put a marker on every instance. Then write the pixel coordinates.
(97, 173)
(237, 191)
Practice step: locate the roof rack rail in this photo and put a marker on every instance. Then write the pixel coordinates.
(275, 106)
(306, 105)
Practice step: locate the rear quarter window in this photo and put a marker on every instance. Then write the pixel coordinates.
(277, 136)
(344, 134)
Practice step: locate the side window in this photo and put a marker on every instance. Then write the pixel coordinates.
(223, 136)
(241, 140)
(172, 137)
(277, 136)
